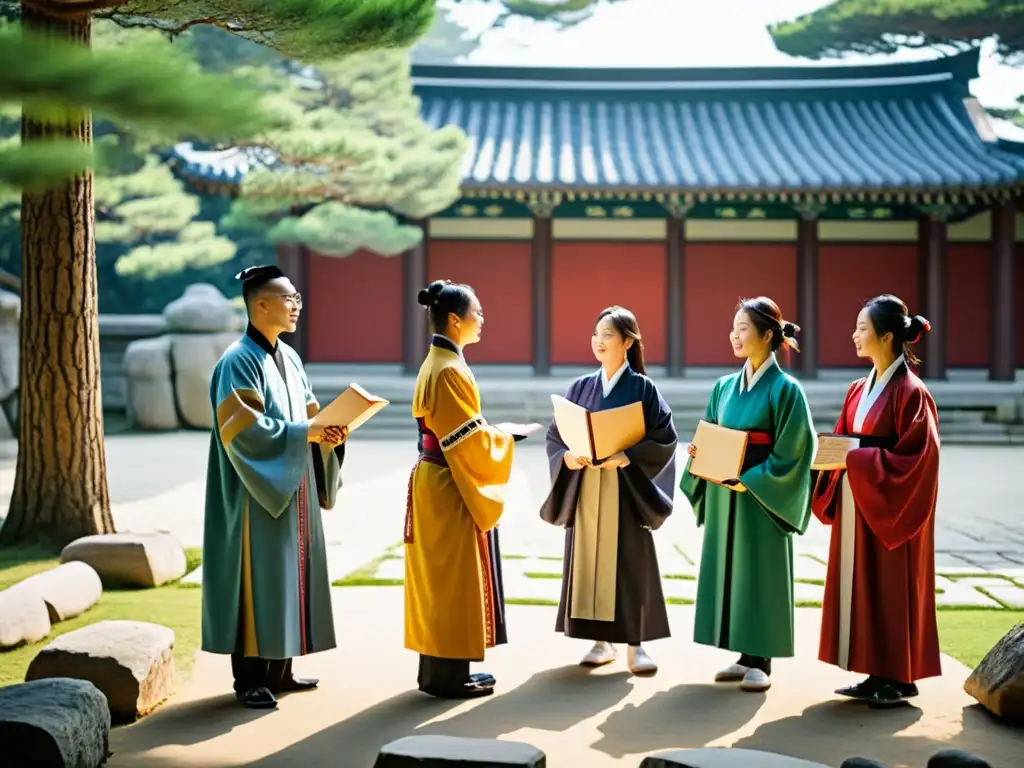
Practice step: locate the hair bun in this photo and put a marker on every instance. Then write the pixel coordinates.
(916, 327)
(789, 330)
(424, 298)
(430, 295)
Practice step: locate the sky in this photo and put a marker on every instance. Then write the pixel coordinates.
(643, 33)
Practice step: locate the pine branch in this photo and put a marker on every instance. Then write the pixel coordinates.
(40, 164)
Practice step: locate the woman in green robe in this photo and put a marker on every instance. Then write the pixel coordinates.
(745, 586)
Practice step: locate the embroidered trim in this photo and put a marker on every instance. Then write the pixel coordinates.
(408, 505)
(303, 512)
(487, 585)
(460, 433)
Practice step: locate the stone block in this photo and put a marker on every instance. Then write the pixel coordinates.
(56, 723)
(129, 559)
(862, 762)
(201, 309)
(24, 618)
(997, 683)
(194, 357)
(725, 757)
(130, 662)
(149, 392)
(68, 590)
(440, 751)
(956, 758)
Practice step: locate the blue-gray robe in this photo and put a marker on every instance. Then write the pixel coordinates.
(266, 591)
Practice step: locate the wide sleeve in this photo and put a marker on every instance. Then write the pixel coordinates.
(269, 454)
(478, 455)
(327, 458)
(782, 483)
(826, 493)
(651, 475)
(896, 490)
(693, 487)
(559, 508)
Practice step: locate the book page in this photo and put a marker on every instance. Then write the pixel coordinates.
(352, 408)
(573, 426)
(832, 450)
(720, 452)
(617, 429)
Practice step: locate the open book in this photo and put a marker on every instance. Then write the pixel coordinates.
(352, 408)
(598, 434)
(721, 454)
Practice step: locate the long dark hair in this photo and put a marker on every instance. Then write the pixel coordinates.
(443, 297)
(624, 322)
(889, 314)
(766, 316)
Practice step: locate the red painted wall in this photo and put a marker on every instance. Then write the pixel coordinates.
(589, 276)
(968, 315)
(501, 275)
(849, 275)
(717, 276)
(354, 309)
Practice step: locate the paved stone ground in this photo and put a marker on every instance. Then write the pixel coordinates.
(157, 483)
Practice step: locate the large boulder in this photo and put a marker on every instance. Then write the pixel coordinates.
(725, 757)
(441, 751)
(130, 559)
(131, 662)
(956, 758)
(57, 723)
(149, 388)
(201, 309)
(24, 618)
(998, 681)
(194, 357)
(68, 590)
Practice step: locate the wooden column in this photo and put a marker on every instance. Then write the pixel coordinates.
(414, 317)
(807, 286)
(541, 265)
(933, 288)
(293, 261)
(1002, 353)
(675, 275)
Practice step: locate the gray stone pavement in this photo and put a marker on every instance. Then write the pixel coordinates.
(157, 483)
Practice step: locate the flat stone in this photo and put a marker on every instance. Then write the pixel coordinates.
(391, 569)
(68, 590)
(962, 595)
(195, 577)
(680, 589)
(997, 683)
(956, 758)
(57, 723)
(982, 581)
(808, 592)
(725, 757)
(1008, 593)
(131, 662)
(437, 751)
(130, 559)
(24, 618)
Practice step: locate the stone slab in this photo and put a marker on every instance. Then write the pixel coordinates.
(24, 618)
(458, 752)
(131, 662)
(57, 723)
(130, 559)
(1011, 594)
(997, 683)
(725, 757)
(195, 576)
(68, 590)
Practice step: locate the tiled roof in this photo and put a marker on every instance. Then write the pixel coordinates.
(890, 128)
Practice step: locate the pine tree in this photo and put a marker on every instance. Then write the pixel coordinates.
(353, 160)
(60, 490)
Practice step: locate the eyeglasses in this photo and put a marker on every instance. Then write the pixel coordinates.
(294, 299)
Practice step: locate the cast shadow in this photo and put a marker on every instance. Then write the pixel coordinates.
(685, 717)
(831, 731)
(553, 700)
(185, 724)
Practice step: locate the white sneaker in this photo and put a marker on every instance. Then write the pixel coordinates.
(731, 674)
(755, 681)
(639, 662)
(602, 653)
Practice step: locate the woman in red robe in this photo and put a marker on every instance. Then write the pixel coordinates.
(879, 612)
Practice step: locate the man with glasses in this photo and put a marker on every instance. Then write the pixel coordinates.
(266, 593)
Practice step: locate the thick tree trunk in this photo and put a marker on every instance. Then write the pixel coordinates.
(60, 490)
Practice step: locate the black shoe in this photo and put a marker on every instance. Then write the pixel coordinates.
(885, 697)
(469, 690)
(297, 684)
(483, 679)
(257, 698)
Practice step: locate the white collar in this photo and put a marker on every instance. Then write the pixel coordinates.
(886, 375)
(756, 377)
(873, 392)
(607, 385)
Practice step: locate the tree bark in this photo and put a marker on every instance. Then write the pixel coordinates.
(60, 489)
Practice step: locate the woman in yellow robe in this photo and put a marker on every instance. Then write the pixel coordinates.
(454, 600)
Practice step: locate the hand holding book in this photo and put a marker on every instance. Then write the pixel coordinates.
(518, 431)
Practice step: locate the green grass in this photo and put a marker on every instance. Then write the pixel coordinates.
(967, 635)
(366, 581)
(541, 575)
(170, 605)
(683, 576)
(513, 557)
(959, 576)
(193, 558)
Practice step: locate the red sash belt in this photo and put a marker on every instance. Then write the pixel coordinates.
(758, 438)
